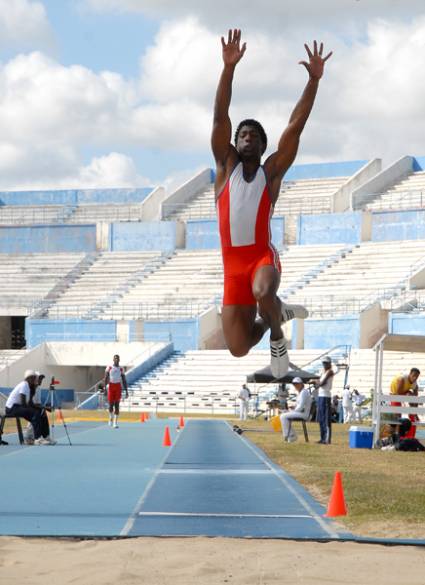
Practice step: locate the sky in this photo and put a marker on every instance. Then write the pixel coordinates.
(120, 93)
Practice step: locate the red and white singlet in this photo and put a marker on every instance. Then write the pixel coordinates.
(244, 213)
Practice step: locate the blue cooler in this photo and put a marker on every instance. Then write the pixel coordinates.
(361, 438)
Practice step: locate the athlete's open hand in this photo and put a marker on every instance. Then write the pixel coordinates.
(232, 51)
(317, 63)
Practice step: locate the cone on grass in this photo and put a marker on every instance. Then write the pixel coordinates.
(181, 423)
(142, 417)
(166, 442)
(336, 505)
(60, 415)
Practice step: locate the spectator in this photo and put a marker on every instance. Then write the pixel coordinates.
(335, 406)
(358, 400)
(18, 404)
(324, 412)
(406, 385)
(244, 396)
(282, 396)
(347, 404)
(300, 411)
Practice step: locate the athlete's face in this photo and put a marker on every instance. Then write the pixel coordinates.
(249, 144)
(413, 376)
(116, 360)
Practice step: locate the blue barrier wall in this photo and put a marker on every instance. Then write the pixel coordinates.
(398, 225)
(39, 330)
(149, 363)
(324, 170)
(143, 236)
(330, 228)
(59, 396)
(320, 170)
(52, 239)
(74, 196)
(202, 234)
(183, 333)
(326, 333)
(419, 163)
(406, 324)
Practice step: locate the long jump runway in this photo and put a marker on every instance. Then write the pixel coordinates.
(123, 482)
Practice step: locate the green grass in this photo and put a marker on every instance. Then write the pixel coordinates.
(384, 490)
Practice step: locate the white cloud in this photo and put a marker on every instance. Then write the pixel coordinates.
(279, 16)
(24, 24)
(370, 103)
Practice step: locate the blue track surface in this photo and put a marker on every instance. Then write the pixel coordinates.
(114, 482)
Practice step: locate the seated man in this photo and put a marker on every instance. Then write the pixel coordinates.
(300, 411)
(19, 404)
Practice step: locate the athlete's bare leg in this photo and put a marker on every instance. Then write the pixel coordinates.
(241, 328)
(265, 286)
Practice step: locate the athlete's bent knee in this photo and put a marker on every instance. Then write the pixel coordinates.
(238, 351)
(264, 292)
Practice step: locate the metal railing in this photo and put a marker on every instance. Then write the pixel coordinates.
(409, 199)
(207, 209)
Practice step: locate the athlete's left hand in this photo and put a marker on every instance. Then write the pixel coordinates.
(317, 63)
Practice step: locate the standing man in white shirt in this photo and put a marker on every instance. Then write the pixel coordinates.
(300, 411)
(347, 404)
(324, 407)
(115, 381)
(18, 404)
(358, 400)
(244, 396)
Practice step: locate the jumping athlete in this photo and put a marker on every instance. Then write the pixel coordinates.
(116, 380)
(246, 193)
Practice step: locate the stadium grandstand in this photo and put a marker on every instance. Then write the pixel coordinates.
(82, 272)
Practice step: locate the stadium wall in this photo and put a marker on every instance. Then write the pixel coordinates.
(203, 234)
(184, 333)
(341, 199)
(40, 330)
(149, 363)
(39, 239)
(419, 163)
(185, 193)
(398, 225)
(407, 323)
(74, 197)
(327, 333)
(330, 228)
(324, 170)
(381, 182)
(145, 236)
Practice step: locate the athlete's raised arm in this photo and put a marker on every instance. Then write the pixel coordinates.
(222, 127)
(279, 162)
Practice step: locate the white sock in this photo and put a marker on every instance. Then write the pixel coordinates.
(115, 419)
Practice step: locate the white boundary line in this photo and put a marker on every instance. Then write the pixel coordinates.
(301, 500)
(218, 515)
(135, 513)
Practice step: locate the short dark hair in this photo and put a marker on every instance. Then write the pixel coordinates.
(415, 371)
(255, 124)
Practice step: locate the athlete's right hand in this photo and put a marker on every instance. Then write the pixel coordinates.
(232, 51)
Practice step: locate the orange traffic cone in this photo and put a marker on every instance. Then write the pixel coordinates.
(146, 415)
(166, 442)
(181, 423)
(336, 505)
(60, 415)
(142, 417)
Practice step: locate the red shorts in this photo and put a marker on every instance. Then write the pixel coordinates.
(240, 266)
(114, 392)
